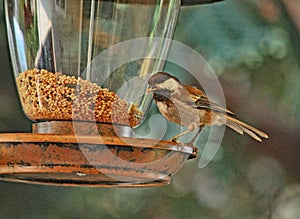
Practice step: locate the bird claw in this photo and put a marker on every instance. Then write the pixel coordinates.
(173, 140)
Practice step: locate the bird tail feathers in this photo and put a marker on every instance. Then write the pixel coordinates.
(242, 128)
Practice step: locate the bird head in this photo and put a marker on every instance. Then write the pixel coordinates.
(163, 81)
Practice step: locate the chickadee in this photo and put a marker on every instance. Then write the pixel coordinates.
(188, 106)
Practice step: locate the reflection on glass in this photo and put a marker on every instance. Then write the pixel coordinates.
(67, 36)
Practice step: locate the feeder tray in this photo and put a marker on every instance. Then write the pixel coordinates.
(53, 155)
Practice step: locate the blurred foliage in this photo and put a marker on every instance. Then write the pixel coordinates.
(249, 44)
(240, 35)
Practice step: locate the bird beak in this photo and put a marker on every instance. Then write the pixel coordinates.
(150, 89)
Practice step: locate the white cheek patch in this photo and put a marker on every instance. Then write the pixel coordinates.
(169, 84)
(162, 108)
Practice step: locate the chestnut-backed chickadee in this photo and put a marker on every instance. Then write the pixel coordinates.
(188, 106)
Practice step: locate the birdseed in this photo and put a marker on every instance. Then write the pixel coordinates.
(54, 96)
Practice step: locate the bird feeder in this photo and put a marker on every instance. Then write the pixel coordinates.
(64, 55)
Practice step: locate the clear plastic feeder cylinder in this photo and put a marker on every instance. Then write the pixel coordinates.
(88, 60)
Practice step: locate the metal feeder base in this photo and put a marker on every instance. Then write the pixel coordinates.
(106, 160)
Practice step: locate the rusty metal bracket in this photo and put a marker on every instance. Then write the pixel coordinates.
(198, 2)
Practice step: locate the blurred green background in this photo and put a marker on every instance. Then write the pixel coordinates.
(254, 47)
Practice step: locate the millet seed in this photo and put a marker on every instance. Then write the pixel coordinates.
(54, 96)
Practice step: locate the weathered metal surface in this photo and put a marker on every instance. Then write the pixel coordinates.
(80, 128)
(107, 161)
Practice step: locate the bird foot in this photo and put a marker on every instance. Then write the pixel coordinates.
(173, 140)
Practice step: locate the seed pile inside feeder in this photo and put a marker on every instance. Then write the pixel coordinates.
(54, 96)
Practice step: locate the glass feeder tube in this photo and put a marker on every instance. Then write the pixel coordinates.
(64, 59)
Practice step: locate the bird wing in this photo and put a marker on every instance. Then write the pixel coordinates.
(201, 101)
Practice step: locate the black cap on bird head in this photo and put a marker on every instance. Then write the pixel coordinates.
(159, 78)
